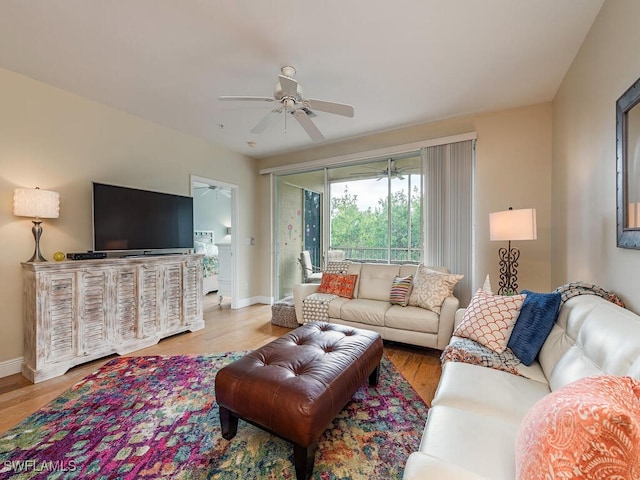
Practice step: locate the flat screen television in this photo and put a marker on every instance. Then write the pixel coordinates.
(126, 219)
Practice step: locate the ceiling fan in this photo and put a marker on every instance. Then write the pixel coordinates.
(391, 171)
(288, 94)
(213, 188)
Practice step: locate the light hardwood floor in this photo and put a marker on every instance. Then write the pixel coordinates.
(225, 330)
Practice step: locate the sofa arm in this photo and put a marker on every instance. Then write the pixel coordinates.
(447, 317)
(459, 315)
(421, 466)
(300, 292)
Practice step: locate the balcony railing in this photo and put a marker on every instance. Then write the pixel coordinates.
(380, 254)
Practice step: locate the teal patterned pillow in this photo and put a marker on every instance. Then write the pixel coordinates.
(400, 290)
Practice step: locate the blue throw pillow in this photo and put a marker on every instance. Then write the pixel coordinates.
(537, 316)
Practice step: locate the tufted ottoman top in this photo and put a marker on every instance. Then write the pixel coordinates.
(295, 385)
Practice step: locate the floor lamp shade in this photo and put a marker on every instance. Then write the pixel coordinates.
(511, 225)
(37, 204)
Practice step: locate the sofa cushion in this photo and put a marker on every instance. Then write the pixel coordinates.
(415, 319)
(589, 429)
(430, 288)
(338, 284)
(375, 281)
(410, 269)
(365, 311)
(537, 316)
(400, 290)
(489, 319)
(335, 307)
(354, 269)
(591, 337)
(482, 444)
(487, 391)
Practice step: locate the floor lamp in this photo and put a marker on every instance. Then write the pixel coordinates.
(511, 225)
(38, 204)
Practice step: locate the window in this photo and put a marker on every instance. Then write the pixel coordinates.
(375, 210)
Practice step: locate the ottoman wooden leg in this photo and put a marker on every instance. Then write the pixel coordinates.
(304, 458)
(374, 376)
(229, 423)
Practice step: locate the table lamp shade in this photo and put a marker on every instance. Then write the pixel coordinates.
(513, 225)
(33, 202)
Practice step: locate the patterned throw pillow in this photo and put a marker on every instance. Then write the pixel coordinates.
(487, 285)
(430, 288)
(400, 290)
(337, 267)
(338, 284)
(589, 429)
(489, 319)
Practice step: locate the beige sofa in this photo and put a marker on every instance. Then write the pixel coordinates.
(477, 411)
(370, 308)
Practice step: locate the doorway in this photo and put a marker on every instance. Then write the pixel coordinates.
(214, 218)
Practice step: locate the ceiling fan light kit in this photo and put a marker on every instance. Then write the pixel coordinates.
(288, 93)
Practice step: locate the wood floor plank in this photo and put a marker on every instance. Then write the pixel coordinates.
(225, 330)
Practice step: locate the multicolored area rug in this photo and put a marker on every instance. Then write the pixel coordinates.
(156, 417)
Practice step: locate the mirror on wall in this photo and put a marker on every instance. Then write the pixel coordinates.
(628, 167)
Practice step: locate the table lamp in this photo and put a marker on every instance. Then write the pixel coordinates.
(38, 204)
(511, 225)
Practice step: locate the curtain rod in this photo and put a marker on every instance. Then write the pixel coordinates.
(380, 152)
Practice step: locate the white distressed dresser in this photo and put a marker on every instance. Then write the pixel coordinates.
(78, 311)
(224, 276)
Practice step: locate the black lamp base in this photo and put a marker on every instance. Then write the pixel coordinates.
(508, 270)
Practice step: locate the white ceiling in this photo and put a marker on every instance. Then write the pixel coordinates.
(399, 63)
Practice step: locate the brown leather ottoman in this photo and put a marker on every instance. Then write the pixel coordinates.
(296, 385)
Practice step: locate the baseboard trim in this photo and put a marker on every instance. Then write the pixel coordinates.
(247, 302)
(10, 367)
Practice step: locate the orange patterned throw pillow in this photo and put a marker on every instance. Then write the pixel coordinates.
(338, 284)
(587, 430)
(489, 319)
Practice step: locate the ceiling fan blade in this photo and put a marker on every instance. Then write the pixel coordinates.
(246, 99)
(289, 85)
(309, 126)
(266, 121)
(332, 107)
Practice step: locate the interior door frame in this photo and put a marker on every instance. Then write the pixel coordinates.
(234, 224)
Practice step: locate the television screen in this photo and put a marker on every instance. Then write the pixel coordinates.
(131, 219)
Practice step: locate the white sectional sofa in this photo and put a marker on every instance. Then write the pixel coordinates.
(477, 411)
(370, 308)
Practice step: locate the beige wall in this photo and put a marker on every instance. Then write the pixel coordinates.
(584, 156)
(62, 142)
(513, 168)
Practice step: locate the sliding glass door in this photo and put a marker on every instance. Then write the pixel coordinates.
(375, 210)
(298, 226)
(410, 208)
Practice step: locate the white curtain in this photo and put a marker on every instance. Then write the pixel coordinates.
(448, 210)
